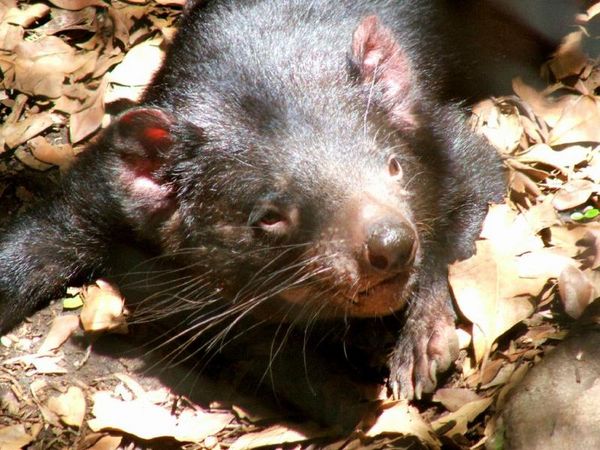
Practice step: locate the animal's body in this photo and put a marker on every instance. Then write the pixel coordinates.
(301, 161)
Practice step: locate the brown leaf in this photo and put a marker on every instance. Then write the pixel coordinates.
(27, 16)
(15, 134)
(563, 160)
(10, 37)
(75, 5)
(543, 263)
(569, 59)
(148, 421)
(103, 308)
(573, 194)
(461, 418)
(58, 155)
(578, 122)
(88, 120)
(69, 407)
(500, 124)
(62, 328)
(550, 110)
(14, 437)
(490, 293)
(139, 64)
(401, 418)
(454, 399)
(576, 291)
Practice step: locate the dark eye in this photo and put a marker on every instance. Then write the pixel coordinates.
(269, 219)
(394, 167)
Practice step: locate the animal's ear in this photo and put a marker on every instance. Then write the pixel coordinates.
(142, 139)
(381, 63)
(143, 136)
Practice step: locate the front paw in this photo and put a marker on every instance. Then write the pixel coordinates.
(426, 347)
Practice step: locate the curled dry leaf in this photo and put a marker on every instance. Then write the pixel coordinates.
(573, 194)
(576, 291)
(58, 155)
(69, 407)
(62, 328)
(14, 134)
(86, 121)
(103, 308)
(500, 124)
(149, 421)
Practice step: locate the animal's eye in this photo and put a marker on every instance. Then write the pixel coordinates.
(394, 167)
(269, 219)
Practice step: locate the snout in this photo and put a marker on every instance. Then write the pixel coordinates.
(390, 246)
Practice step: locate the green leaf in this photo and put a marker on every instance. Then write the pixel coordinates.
(577, 216)
(73, 302)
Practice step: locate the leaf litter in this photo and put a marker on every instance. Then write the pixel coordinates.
(536, 266)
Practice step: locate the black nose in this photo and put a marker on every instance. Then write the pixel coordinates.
(391, 246)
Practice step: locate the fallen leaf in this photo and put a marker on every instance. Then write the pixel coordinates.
(460, 419)
(563, 160)
(62, 328)
(20, 132)
(275, 435)
(101, 442)
(550, 110)
(543, 263)
(86, 121)
(75, 5)
(26, 16)
(103, 308)
(569, 58)
(69, 407)
(149, 421)
(401, 418)
(454, 399)
(14, 437)
(576, 291)
(490, 293)
(58, 155)
(578, 123)
(573, 194)
(139, 64)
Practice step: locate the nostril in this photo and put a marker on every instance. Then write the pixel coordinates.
(378, 261)
(391, 246)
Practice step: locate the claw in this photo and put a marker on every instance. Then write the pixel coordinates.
(433, 369)
(418, 389)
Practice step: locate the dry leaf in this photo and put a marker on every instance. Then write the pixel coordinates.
(75, 5)
(86, 121)
(490, 293)
(543, 263)
(139, 64)
(499, 124)
(573, 194)
(563, 160)
(59, 155)
(576, 291)
(568, 59)
(578, 123)
(69, 407)
(461, 418)
(62, 328)
(550, 110)
(101, 442)
(275, 435)
(401, 418)
(17, 133)
(454, 399)
(25, 17)
(149, 421)
(103, 308)
(14, 437)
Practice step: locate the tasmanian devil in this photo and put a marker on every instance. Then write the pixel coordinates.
(300, 161)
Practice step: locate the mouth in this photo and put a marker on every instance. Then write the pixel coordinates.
(379, 299)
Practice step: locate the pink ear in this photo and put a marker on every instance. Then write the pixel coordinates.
(382, 62)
